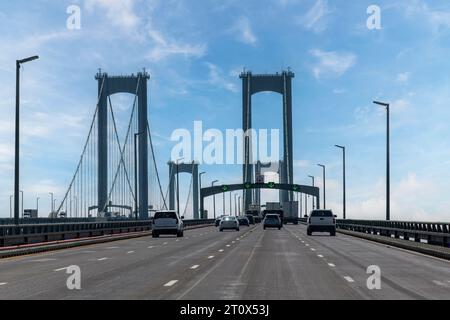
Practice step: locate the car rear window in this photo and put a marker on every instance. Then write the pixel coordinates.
(165, 215)
(228, 219)
(272, 216)
(322, 213)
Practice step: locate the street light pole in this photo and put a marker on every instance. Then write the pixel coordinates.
(324, 186)
(136, 135)
(343, 184)
(51, 204)
(178, 186)
(388, 160)
(239, 204)
(200, 185)
(235, 205)
(313, 184)
(10, 206)
(17, 138)
(214, 198)
(231, 206)
(37, 206)
(21, 192)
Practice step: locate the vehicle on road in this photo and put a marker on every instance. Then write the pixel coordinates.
(217, 222)
(321, 221)
(251, 218)
(272, 220)
(167, 222)
(278, 212)
(243, 221)
(229, 222)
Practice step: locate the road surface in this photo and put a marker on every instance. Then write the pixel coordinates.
(246, 265)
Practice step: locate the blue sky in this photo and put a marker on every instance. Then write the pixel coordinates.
(194, 51)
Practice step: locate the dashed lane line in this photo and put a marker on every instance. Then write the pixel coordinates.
(349, 279)
(170, 283)
(195, 267)
(332, 265)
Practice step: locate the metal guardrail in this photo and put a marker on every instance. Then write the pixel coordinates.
(11, 235)
(435, 233)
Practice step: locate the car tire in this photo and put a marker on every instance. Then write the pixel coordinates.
(309, 232)
(221, 230)
(279, 228)
(333, 233)
(155, 235)
(237, 229)
(264, 228)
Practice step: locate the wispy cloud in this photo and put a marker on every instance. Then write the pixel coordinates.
(403, 77)
(120, 13)
(332, 63)
(243, 31)
(217, 78)
(315, 19)
(164, 47)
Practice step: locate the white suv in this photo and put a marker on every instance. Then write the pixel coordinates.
(167, 222)
(321, 221)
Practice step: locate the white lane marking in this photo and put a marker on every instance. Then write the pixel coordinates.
(165, 243)
(312, 249)
(332, 265)
(307, 245)
(221, 250)
(349, 279)
(130, 252)
(170, 283)
(195, 267)
(43, 260)
(228, 245)
(177, 240)
(151, 247)
(439, 283)
(303, 241)
(61, 269)
(211, 257)
(102, 259)
(3, 283)
(187, 238)
(109, 248)
(320, 256)
(233, 241)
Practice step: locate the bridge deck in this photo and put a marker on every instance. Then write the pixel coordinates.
(260, 264)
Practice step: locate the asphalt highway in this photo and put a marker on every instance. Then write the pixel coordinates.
(208, 264)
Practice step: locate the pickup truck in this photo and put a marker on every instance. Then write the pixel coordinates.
(321, 221)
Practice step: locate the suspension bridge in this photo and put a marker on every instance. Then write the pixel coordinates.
(117, 176)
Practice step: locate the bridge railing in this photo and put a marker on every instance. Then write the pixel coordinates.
(12, 235)
(436, 233)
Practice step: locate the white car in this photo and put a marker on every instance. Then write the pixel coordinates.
(229, 222)
(321, 221)
(167, 222)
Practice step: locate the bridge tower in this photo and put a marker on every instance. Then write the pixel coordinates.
(282, 84)
(107, 86)
(191, 168)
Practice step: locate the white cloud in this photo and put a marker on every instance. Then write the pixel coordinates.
(217, 78)
(119, 12)
(331, 63)
(437, 19)
(164, 47)
(243, 31)
(315, 18)
(403, 77)
(302, 163)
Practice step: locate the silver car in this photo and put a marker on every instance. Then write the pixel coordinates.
(229, 222)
